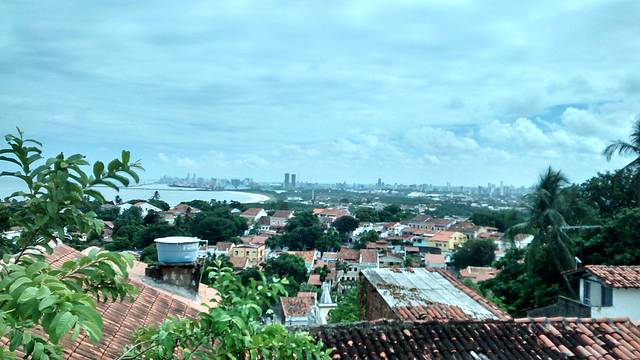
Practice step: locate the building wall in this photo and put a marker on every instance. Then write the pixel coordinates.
(374, 305)
(625, 303)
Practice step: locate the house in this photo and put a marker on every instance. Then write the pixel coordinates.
(183, 210)
(239, 263)
(368, 259)
(314, 279)
(253, 214)
(421, 294)
(264, 224)
(539, 338)
(351, 257)
(466, 227)
(107, 231)
(389, 261)
(477, 273)
(440, 224)
(419, 221)
(255, 239)
(253, 253)
(144, 206)
(329, 257)
(309, 257)
(220, 249)
(609, 291)
(299, 310)
(328, 216)
(446, 240)
(280, 218)
(435, 261)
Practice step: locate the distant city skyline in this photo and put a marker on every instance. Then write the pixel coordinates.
(464, 92)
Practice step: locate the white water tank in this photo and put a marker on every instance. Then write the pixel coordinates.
(178, 249)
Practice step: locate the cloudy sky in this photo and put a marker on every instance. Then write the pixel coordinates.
(468, 92)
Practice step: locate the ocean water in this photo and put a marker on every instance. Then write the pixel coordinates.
(171, 195)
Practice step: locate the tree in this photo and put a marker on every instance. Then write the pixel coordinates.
(303, 238)
(34, 295)
(628, 148)
(347, 310)
(233, 329)
(546, 223)
(151, 218)
(365, 238)
(617, 243)
(323, 272)
(302, 219)
(479, 252)
(118, 200)
(345, 224)
(216, 226)
(290, 267)
(149, 254)
(159, 204)
(501, 219)
(329, 241)
(145, 236)
(366, 214)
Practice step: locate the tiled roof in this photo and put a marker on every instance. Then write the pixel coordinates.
(426, 287)
(413, 249)
(265, 220)
(347, 254)
(555, 338)
(238, 262)
(296, 306)
(223, 246)
(149, 307)
(616, 276)
(309, 294)
(434, 259)
(442, 236)
(307, 256)
(331, 212)
(435, 311)
(478, 273)
(369, 256)
(329, 255)
(282, 214)
(314, 279)
(251, 212)
(420, 219)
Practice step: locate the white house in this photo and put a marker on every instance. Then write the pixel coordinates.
(253, 214)
(611, 291)
(144, 206)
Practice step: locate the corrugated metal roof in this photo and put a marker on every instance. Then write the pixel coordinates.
(420, 287)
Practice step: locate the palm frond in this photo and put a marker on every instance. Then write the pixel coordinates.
(620, 147)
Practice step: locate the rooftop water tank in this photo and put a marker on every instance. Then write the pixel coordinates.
(178, 249)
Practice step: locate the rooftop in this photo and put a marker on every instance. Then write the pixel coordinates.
(251, 212)
(555, 338)
(425, 287)
(616, 276)
(296, 306)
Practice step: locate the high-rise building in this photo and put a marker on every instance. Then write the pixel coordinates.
(293, 181)
(379, 183)
(286, 180)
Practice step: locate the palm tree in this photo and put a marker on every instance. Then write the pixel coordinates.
(546, 222)
(626, 148)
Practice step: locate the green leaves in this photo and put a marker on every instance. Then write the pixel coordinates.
(233, 329)
(60, 301)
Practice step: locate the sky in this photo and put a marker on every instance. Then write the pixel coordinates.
(428, 92)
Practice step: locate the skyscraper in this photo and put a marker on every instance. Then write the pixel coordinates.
(293, 181)
(286, 180)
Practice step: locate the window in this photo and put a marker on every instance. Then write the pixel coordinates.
(586, 292)
(607, 296)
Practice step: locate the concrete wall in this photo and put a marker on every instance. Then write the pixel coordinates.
(374, 305)
(626, 302)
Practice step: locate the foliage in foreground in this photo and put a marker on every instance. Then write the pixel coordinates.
(232, 330)
(347, 310)
(33, 294)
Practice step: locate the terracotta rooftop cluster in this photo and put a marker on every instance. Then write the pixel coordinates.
(555, 338)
